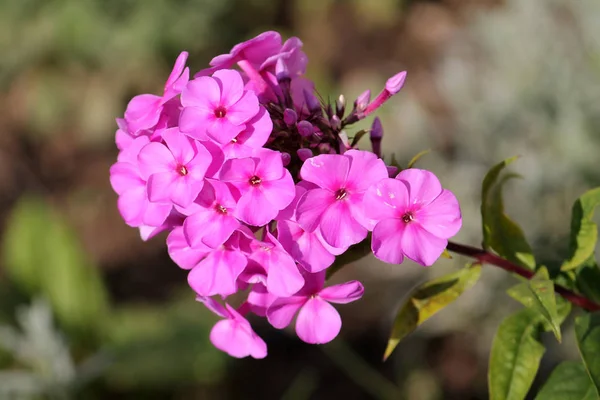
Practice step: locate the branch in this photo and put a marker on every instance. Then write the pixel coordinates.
(486, 257)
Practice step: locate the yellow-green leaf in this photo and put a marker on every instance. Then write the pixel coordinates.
(584, 231)
(538, 295)
(429, 298)
(500, 233)
(587, 330)
(515, 356)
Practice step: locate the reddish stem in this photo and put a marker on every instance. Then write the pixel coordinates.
(486, 257)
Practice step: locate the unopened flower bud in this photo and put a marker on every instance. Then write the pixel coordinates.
(311, 101)
(305, 128)
(304, 154)
(285, 159)
(395, 83)
(392, 171)
(376, 135)
(362, 101)
(335, 123)
(340, 106)
(290, 117)
(281, 71)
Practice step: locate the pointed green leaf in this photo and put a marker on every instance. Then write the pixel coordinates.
(584, 232)
(515, 356)
(416, 158)
(358, 136)
(587, 330)
(568, 381)
(42, 255)
(428, 299)
(538, 295)
(500, 233)
(588, 280)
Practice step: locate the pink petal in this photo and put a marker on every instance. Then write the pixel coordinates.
(343, 293)
(328, 171)
(257, 130)
(203, 93)
(214, 306)
(161, 185)
(423, 186)
(200, 163)
(244, 109)
(238, 170)
(181, 253)
(222, 130)
(193, 121)
(217, 158)
(311, 206)
(279, 193)
(217, 273)
(143, 112)
(270, 166)
(365, 170)
(441, 217)
(387, 198)
(177, 68)
(306, 248)
(155, 158)
(283, 277)
(387, 241)
(124, 176)
(421, 246)
(131, 205)
(260, 299)
(179, 145)
(254, 208)
(209, 228)
(318, 322)
(156, 213)
(281, 312)
(237, 339)
(339, 228)
(184, 190)
(231, 85)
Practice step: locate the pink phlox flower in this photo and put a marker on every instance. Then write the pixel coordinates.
(144, 111)
(309, 249)
(212, 222)
(217, 107)
(318, 321)
(259, 299)
(174, 170)
(182, 253)
(265, 186)
(290, 57)
(336, 207)
(415, 215)
(255, 51)
(254, 136)
(127, 181)
(233, 334)
(282, 275)
(218, 272)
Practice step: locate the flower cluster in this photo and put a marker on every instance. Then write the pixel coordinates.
(260, 188)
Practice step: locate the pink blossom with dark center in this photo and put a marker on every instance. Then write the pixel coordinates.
(217, 107)
(415, 215)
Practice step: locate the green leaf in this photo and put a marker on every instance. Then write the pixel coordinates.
(358, 136)
(588, 280)
(587, 330)
(42, 255)
(538, 295)
(515, 356)
(568, 381)
(500, 233)
(584, 232)
(416, 158)
(428, 299)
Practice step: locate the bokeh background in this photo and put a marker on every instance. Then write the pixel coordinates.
(89, 311)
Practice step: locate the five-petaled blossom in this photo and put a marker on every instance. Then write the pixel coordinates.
(260, 187)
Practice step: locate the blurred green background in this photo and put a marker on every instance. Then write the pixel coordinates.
(89, 311)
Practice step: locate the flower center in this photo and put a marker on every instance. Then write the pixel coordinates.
(408, 217)
(220, 209)
(182, 170)
(234, 140)
(254, 181)
(220, 112)
(341, 194)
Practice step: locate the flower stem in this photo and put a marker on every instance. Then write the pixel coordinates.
(485, 257)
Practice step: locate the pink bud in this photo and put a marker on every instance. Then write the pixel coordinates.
(376, 129)
(335, 122)
(304, 154)
(395, 83)
(392, 171)
(289, 117)
(305, 128)
(285, 159)
(362, 101)
(311, 101)
(281, 71)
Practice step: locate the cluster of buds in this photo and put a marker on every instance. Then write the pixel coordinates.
(259, 189)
